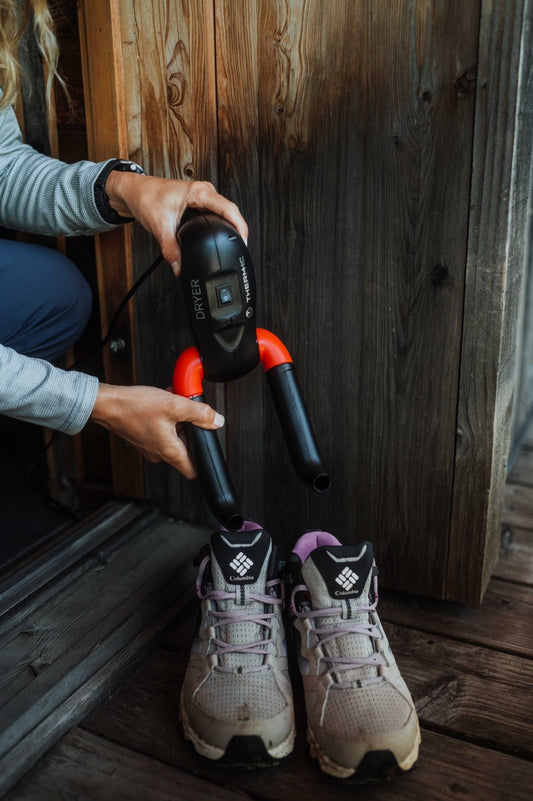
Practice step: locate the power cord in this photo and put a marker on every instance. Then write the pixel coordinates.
(120, 308)
(53, 502)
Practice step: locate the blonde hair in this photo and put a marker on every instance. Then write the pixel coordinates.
(15, 16)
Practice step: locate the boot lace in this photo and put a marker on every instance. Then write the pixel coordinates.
(326, 633)
(221, 618)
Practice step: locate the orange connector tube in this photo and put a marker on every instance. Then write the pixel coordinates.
(188, 374)
(272, 351)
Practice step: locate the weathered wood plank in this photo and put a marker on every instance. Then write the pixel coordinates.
(85, 766)
(57, 563)
(30, 748)
(528, 441)
(45, 657)
(345, 133)
(522, 472)
(58, 660)
(523, 402)
(503, 622)
(518, 509)
(143, 717)
(239, 142)
(43, 629)
(466, 691)
(99, 22)
(92, 444)
(353, 156)
(170, 95)
(516, 562)
(181, 636)
(502, 159)
(327, 133)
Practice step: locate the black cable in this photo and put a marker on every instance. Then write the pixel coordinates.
(122, 305)
(101, 345)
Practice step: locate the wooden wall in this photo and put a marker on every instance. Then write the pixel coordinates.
(496, 273)
(348, 133)
(348, 152)
(523, 401)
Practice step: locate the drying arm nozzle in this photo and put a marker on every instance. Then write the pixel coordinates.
(292, 411)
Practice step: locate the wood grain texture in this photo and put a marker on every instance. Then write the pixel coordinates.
(470, 692)
(444, 768)
(494, 281)
(518, 509)
(504, 621)
(469, 671)
(107, 138)
(85, 766)
(93, 456)
(516, 561)
(67, 652)
(343, 123)
(49, 653)
(348, 134)
(239, 145)
(522, 472)
(96, 687)
(523, 401)
(168, 57)
(62, 562)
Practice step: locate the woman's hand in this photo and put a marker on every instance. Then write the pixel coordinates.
(158, 204)
(150, 419)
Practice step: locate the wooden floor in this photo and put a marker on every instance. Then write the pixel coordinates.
(470, 672)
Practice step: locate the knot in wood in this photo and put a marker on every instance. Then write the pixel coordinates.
(176, 89)
(439, 275)
(464, 83)
(296, 143)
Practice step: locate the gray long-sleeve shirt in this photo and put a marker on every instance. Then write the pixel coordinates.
(42, 195)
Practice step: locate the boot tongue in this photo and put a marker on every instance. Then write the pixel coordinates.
(240, 558)
(240, 566)
(341, 577)
(337, 573)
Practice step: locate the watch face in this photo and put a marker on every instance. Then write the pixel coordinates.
(128, 166)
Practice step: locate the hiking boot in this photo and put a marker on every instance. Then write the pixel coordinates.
(236, 699)
(360, 715)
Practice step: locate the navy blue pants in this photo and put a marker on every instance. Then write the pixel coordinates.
(45, 301)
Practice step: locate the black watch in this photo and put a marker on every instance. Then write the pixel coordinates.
(100, 197)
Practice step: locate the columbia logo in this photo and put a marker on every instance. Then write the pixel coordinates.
(241, 564)
(347, 578)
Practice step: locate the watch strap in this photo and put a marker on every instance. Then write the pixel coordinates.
(100, 197)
